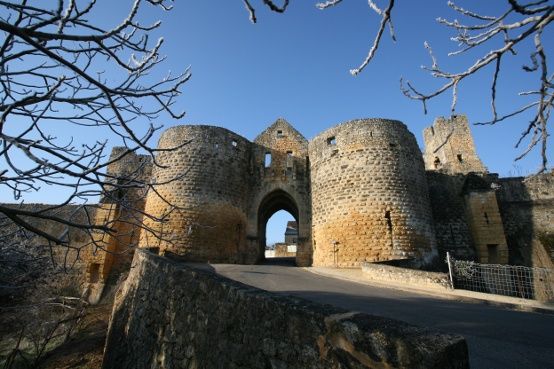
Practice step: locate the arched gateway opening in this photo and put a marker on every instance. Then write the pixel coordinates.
(272, 203)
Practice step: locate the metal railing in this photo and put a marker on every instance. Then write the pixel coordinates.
(507, 280)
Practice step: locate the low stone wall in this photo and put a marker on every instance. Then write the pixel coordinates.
(406, 277)
(282, 251)
(173, 315)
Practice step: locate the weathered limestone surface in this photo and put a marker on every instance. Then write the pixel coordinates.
(405, 277)
(207, 179)
(449, 147)
(451, 224)
(370, 200)
(486, 227)
(225, 192)
(120, 208)
(207, 321)
(283, 184)
(527, 208)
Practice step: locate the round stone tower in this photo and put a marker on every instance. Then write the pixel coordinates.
(370, 200)
(207, 181)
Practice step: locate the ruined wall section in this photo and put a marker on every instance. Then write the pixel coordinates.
(280, 155)
(207, 321)
(208, 180)
(120, 208)
(449, 146)
(370, 200)
(527, 208)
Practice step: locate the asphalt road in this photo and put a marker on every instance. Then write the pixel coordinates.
(497, 337)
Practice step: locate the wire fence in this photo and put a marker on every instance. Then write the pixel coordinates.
(507, 280)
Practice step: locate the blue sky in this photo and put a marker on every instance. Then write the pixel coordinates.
(295, 65)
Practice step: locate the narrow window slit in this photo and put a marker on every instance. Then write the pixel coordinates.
(389, 220)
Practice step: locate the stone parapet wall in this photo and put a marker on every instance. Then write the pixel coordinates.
(207, 321)
(282, 251)
(370, 200)
(392, 275)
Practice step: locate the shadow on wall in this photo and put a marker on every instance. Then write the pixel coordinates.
(490, 340)
(527, 208)
(479, 217)
(212, 322)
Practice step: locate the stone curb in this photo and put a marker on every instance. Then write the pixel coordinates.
(463, 295)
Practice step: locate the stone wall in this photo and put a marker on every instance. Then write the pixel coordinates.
(370, 199)
(203, 194)
(527, 208)
(449, 215)
(120, 208)
(207, 321)
(282, 250)
(449, 146)
(281, 184)
(404, 277)
(486, 227)
(223, 192)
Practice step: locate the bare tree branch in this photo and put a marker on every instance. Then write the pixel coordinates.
(518, 22)
(53, 59)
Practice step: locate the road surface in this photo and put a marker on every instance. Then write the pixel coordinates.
(497, 337)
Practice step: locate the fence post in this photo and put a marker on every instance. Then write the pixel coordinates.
(449, 270)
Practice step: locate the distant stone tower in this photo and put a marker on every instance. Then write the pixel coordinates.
(449, 146)
(369, 195)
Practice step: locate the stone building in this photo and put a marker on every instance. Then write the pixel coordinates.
(359, 191)
(291, 233)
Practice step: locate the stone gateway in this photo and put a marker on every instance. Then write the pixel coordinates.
(361, 191)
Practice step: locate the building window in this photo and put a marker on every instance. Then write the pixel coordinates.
(331, 141)
(437, 162)
(289, 159)
(389, 220)
(460, 158)
(486, 218)
(279, 133)
(94, 273)
(267, 162)
(234, 143)
(492, 250)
